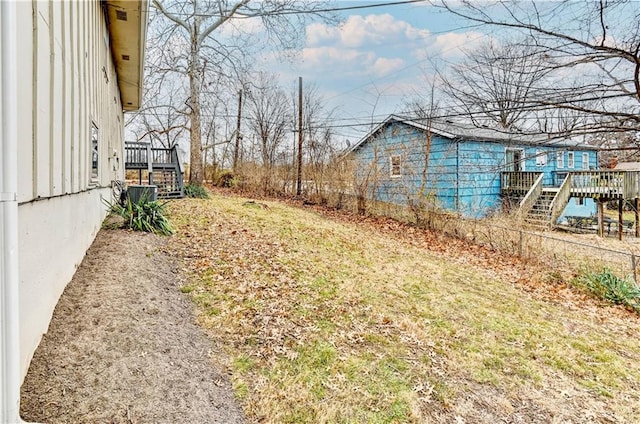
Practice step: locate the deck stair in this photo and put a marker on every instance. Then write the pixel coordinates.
(540, 214)
(162, 165)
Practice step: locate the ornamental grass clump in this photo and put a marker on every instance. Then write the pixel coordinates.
(607, 286)
(144, 215)
(196, 191)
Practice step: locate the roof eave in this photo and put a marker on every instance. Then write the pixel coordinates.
(127, 24)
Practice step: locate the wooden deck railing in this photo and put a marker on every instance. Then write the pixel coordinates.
(518, 181)
(531, 197)
(599, 184)
(138, 154)
(562, 198)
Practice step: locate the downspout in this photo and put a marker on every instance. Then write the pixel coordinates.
(10, 378)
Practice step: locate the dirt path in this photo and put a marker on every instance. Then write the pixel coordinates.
(123, 346)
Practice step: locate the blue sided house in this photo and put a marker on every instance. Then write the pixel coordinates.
(479, 171)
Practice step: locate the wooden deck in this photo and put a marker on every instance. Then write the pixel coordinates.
(603, 185)
(162, 165)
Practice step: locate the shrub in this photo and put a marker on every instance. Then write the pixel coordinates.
(227, 179)
(607, 286)
(196, 191)
(144, 215)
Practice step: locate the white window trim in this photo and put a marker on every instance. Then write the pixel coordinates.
(585, 161)
(560, 160)
(391, 173)
(571, 160)
(523, 161)
(541, 158)
(94, 178)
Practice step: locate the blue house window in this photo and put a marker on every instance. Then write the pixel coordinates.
(585, 161)
(515, 160)
(541, 158)
(395, 166)
(570, 160)
(560, 160)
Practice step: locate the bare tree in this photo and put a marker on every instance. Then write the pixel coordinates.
(191, 48)
(318, 150)
(588, 53)
(159, 121)
(268, 113)
(495, 84)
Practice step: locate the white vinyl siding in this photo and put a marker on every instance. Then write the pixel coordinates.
(62, 89)
(73, 83)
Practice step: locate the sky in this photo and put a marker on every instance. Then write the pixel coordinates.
(376, 60)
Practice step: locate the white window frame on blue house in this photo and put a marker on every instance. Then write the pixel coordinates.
(513, 165)
(395, 170)
(585, 161)
(560, 159)
(541, 158)
(571, 160)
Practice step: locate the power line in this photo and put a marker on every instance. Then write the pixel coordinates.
(303, 12)
(339, 9)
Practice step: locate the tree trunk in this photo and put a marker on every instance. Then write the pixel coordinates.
(195, 162)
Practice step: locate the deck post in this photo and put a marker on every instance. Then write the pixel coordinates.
(620, 223)
(600, 218)
(637, 218)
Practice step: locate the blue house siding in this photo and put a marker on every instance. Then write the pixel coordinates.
(437, 181)
(579, 207)
(480, 164)
(461, 175)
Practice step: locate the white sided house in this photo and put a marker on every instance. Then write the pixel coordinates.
(69, 69)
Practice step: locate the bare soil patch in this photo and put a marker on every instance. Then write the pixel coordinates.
(123, 346)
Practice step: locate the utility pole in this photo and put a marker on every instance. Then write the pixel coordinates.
(299, 186)
(237, 149)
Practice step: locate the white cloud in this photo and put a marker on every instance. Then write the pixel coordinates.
(454, 44)
(360, 31)
(365, 45)
(235, 27)
(334, 57)
(384, 66)
(321, 34)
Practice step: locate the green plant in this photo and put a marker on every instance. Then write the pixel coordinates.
(144, 215)
(607, 286)
(196, 191)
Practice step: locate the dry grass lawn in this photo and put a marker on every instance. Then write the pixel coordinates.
(342, 320)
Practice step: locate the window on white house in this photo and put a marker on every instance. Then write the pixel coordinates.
(585, 161)
(541, 158)
(395, 167)
(560, 160)
(94, 152)
(570, 160)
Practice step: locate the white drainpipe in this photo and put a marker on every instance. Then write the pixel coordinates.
(10, 378)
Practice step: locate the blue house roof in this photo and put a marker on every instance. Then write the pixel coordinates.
(462, 131)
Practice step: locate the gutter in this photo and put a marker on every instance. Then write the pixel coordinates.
(10, 379)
